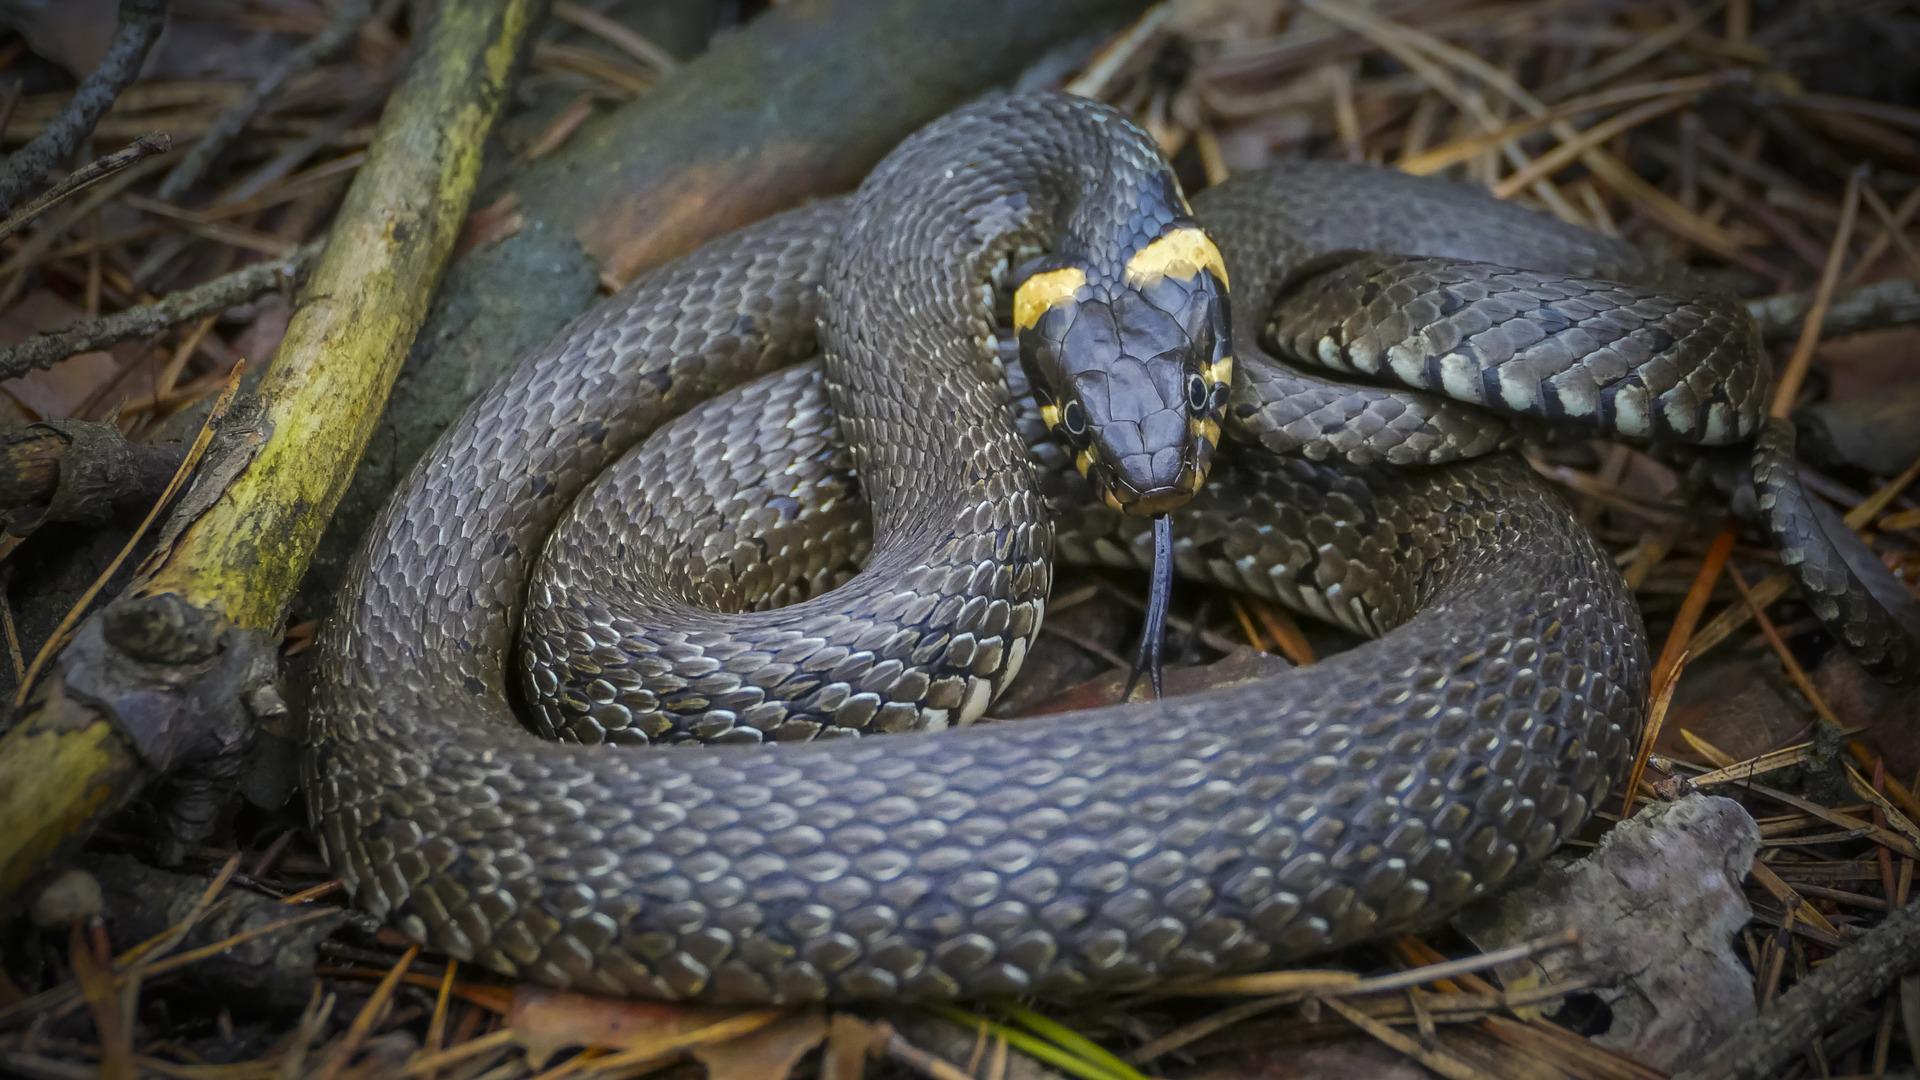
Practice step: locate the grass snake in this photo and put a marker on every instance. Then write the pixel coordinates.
(819, 392)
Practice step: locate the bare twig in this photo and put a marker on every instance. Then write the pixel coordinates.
(618, 34)
(140, 23)
(86, 176)
(340, 31)
(248, 283)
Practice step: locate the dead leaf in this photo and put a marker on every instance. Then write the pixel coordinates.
(1879, 433)
(768, 1054)
(59, 391)
(1889, 713)
(548, 1021)
(1082, 623)
(850, 1042)
(206, 44)
(1733, 702)
(1870, 364)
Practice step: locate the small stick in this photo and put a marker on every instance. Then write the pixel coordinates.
(617, 34)
(339, 33)
(1787, 384)
(84, 335)
(86, 176)
(140, 24)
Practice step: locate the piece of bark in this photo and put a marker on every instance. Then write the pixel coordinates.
(1658, 943)
(799, 103)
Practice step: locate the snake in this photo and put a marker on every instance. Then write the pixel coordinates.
(659, 674)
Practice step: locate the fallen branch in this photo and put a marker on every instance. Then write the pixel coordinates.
(140, 24)
(86, 176)
(173, 678)
(84, 335)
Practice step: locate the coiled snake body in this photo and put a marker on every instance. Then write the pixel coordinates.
(1086, 853)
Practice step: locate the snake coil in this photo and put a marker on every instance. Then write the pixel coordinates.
(1088, 853)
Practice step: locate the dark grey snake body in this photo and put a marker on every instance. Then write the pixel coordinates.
(1087, 853)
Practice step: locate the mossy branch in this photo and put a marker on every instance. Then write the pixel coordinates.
(175, 674)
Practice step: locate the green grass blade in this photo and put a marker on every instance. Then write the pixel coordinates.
(1033, 1046)
(1068, 1039)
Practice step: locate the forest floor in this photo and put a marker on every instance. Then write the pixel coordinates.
(1772, 146)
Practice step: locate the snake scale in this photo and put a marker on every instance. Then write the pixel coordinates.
(682, 429)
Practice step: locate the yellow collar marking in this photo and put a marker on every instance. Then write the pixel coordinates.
(1042, 291)
(1181, 253)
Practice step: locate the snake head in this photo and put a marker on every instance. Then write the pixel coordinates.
(1131, 364)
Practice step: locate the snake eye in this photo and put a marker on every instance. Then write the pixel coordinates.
(1198, 396)
(1074, 418)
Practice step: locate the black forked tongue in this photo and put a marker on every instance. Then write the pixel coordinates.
(1146, 658)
